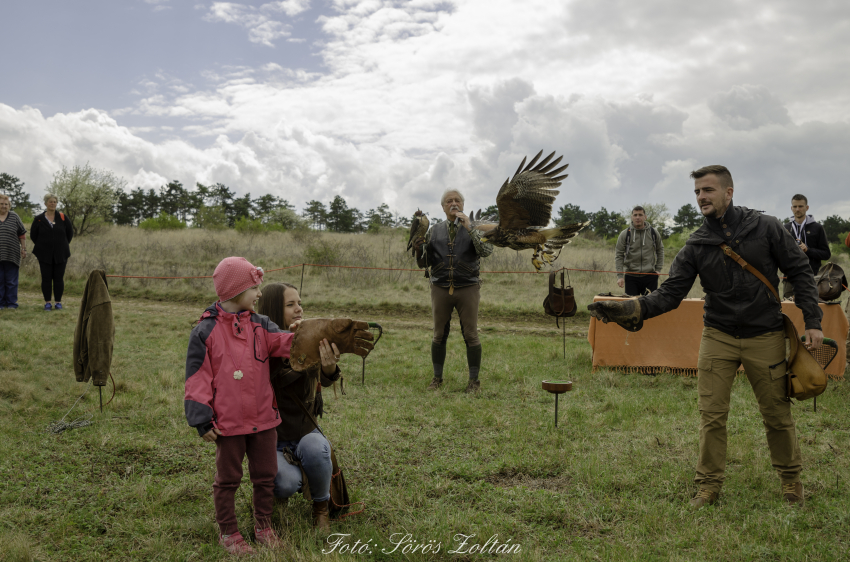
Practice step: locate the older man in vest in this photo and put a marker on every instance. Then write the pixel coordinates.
(452, 250)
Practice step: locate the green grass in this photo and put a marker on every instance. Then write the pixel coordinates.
(611, 482)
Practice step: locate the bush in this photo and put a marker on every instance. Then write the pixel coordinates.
(211, 218)
(840, 248)
(25, 215)
(244, 225)
(285, 219)
(162, 222)
(324, 253)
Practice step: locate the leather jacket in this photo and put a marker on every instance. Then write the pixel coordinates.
(736, 301)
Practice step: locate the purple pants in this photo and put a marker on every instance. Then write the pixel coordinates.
(262, 467)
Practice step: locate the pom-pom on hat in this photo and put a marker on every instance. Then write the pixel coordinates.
(234, 275)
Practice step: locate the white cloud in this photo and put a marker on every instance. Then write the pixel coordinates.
(421, 95)
(289, 7)
(261, 28)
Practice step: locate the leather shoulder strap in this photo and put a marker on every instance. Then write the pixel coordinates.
(732, 254)
(62, 215)
(303, 407)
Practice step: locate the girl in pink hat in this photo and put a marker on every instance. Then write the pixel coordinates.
(229, 398)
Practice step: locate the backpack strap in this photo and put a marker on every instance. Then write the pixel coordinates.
(62, 216)
(747, 267)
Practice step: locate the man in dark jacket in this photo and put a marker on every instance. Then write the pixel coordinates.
(809, 236)
(451, 249)
(743, 324)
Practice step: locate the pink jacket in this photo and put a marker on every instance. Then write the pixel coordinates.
(227, 372)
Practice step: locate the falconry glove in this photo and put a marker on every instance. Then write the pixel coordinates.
(625, 313)
(350, 336)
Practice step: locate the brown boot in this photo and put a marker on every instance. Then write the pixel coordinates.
(704, 497)
(435, 384)
(793, 493)
(473, 387)
(321, 517)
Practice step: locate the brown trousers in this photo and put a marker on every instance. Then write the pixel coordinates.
(262, 467)
(465, 300)
(764, 363)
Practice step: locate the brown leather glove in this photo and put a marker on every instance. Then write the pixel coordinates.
(625, 313)
(350, 336)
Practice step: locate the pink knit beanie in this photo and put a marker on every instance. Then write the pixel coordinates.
(235, 275)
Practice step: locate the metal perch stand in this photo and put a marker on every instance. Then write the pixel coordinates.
(556, 388)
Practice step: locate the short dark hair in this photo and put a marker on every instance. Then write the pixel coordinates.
(638, 208)
(722, 173)
(799, 197)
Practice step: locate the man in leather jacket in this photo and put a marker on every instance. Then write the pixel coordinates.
(743, 324)
(452, 249)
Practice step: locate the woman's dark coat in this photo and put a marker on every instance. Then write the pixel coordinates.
(294, 423)
(52, 243)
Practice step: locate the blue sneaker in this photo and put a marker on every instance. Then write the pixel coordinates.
(48, 306)
(58, 306)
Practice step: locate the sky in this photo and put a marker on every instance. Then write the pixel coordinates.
(385, 101)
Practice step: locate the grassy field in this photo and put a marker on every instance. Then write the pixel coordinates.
(611, 482)
(130, 251)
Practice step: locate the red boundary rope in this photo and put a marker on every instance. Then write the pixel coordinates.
(375, 268)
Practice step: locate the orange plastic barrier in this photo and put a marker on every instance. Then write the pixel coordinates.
(670, 342)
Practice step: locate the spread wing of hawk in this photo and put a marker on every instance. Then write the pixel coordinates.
(525, 209)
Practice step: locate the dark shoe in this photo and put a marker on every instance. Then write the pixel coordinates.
(48, 306)
(235, 544)
(704, 497)
(473, 387)
(435, 384)
(321, 517)
(268, 538)
(793, 493)
(58, 306)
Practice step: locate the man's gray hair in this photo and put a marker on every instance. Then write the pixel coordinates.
(4, 196)
(49, 196)
(451, 190)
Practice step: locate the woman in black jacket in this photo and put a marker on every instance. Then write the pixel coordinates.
(296, 432)
(51, 232)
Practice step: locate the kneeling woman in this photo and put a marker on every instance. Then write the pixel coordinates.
(296, 432)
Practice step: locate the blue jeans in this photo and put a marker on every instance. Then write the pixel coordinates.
(314, 452)
(9, 284)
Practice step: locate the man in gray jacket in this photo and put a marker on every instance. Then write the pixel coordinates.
(639, 250)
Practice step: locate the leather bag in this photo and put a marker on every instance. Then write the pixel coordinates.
(805, 377)
(560, 302)
(830, 281)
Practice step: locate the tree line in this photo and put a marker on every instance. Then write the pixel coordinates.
(93, 197)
